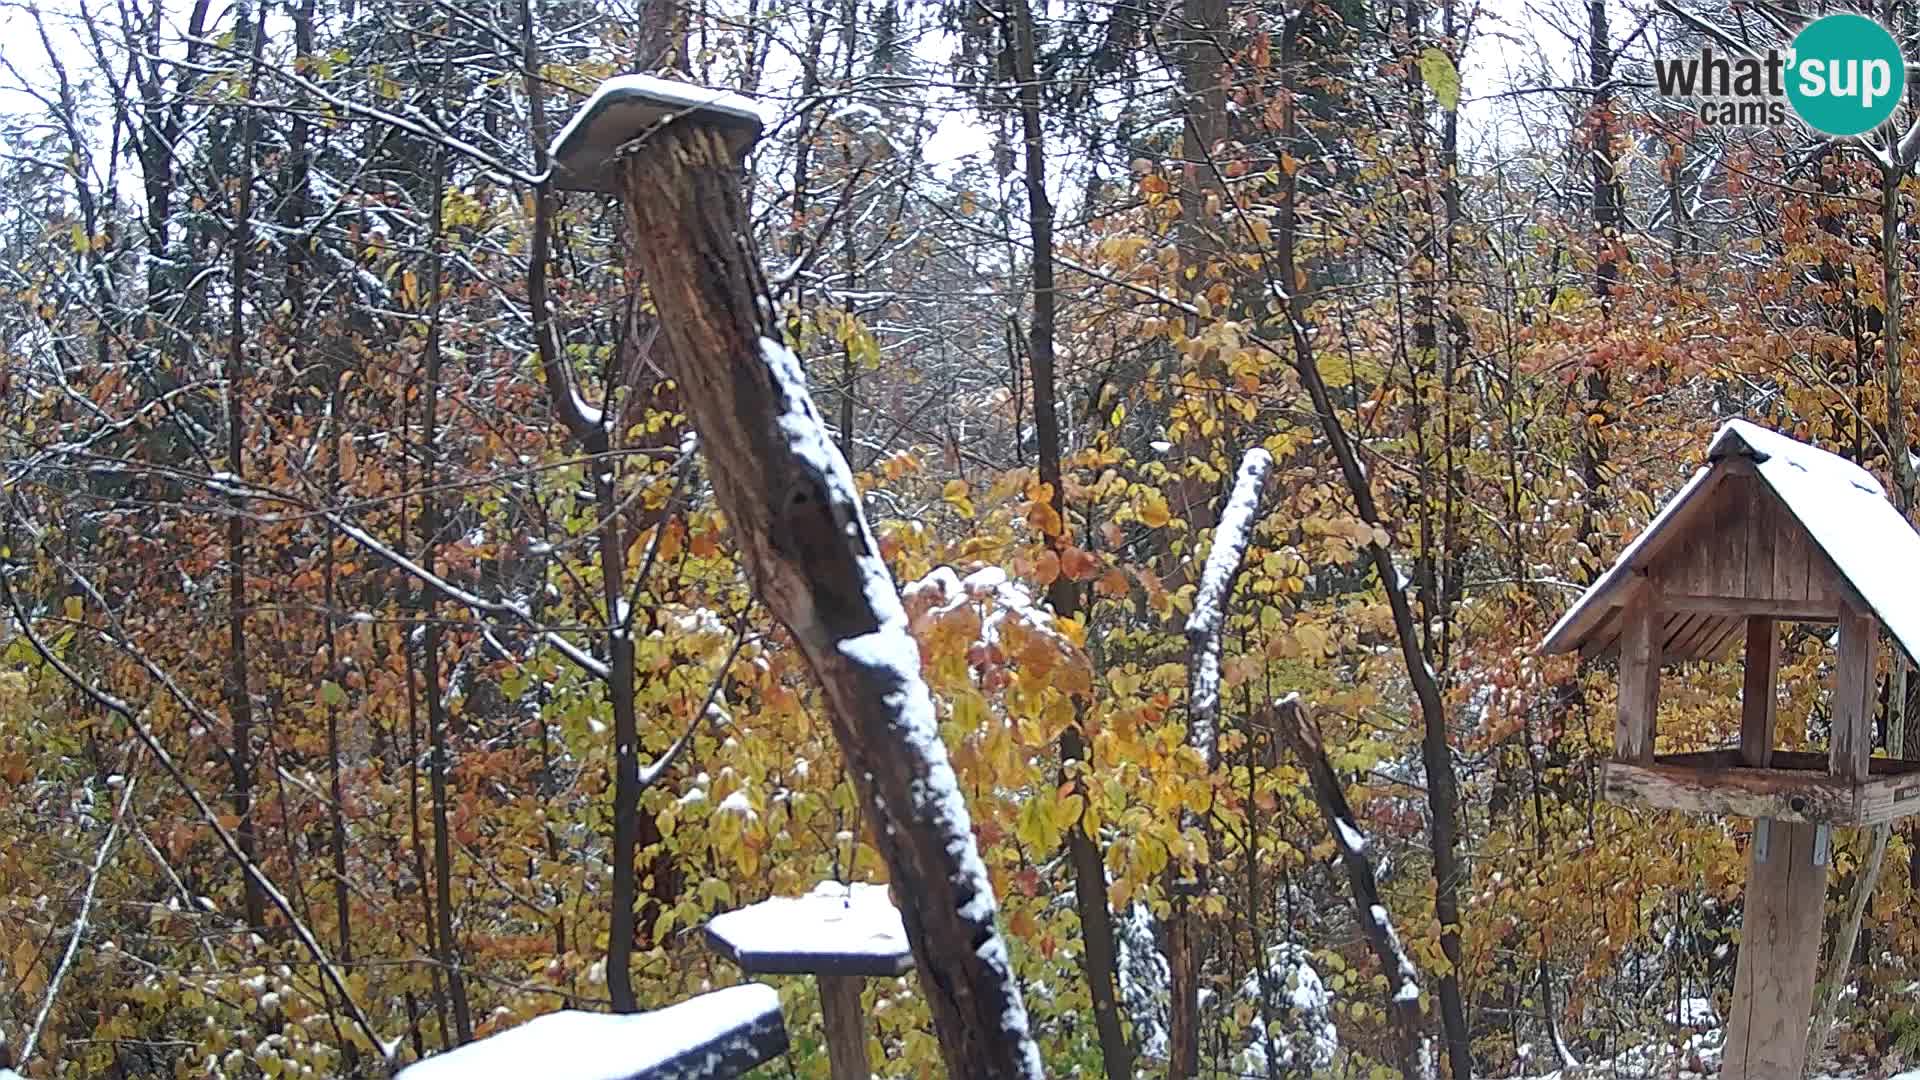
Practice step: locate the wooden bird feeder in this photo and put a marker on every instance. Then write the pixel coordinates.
(1770, 530)
(841, 934)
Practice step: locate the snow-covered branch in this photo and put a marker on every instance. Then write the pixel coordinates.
(1230, 540)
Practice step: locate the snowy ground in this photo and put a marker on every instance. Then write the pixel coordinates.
(1697, 1059)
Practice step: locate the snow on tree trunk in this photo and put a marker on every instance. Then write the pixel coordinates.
(791, 503)
(1299, 730)
(1230, 540)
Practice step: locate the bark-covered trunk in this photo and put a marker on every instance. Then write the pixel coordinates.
(1100, 954)
(1296, 726)
(792, 506)
(1609, 201)
(239, 693)
(440, 755)
(1443, 798)
(1203, 630)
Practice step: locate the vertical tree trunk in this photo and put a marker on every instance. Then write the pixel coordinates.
(1443, 799)
(1608, 221)
(239, 693)
(439, 760)
(791, 504)
(1100, 957)
(1840, 961)
(590, 431)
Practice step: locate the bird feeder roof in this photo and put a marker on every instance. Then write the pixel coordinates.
(625, 108)
(1852, 533)
(834, 930)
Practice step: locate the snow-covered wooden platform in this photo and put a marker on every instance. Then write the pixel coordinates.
(710, 1037)
(838, 932)
(834, 930)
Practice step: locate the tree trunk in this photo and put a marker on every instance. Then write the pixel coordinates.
(1840, 961)
(239, 693)
(1443, 798)
(790, 501)
(1204, 626)
(1296, 725)
(1608, 218)
(1100, 956)
(439, 756)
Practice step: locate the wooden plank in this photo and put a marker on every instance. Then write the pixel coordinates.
(1605, 639)
(1717, 645)
(1694, 643)
(1633, 730)
(713, 1036)
(1673, 631)
(1729, 547)
(1732, 791)
(1786, 610)
(1779, 955)
(1795, 761)
(1763, 527)
(1852, 740)
(1789, 559)
(1758, 700)
(1889, 798)
(846, 1027)
(1824, 585)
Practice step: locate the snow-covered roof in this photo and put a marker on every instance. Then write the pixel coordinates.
(1843, 509)
(627, 106)
(834, 930)
(714, 1035)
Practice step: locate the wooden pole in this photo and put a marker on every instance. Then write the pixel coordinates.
(1633, 729)
(1787, 873)
(792, 507)
(1853, 686)
(846, 1026)
(1779, 952)
(1757, 696)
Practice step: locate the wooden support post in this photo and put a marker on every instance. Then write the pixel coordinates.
(1639, 676)
(846, 1026)
(793, 510)
(1852, 741)
(1779, 953)
(1758, 697)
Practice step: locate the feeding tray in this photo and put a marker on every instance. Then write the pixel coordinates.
(1791, 787)
(709, 1037)
(586, 153)
(834, 930)
(839, 933)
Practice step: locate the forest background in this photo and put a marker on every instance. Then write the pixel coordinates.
(377, 671)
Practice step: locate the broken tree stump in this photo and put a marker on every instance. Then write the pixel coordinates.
(791, 504)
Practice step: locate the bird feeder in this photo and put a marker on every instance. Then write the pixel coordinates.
(714, 1036)
(623, 110)
(841, 934)
(1769, 531)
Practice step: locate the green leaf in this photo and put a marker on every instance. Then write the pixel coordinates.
(332, 694)
(1438, 72)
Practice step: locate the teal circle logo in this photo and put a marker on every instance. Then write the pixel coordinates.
(1846, 74)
